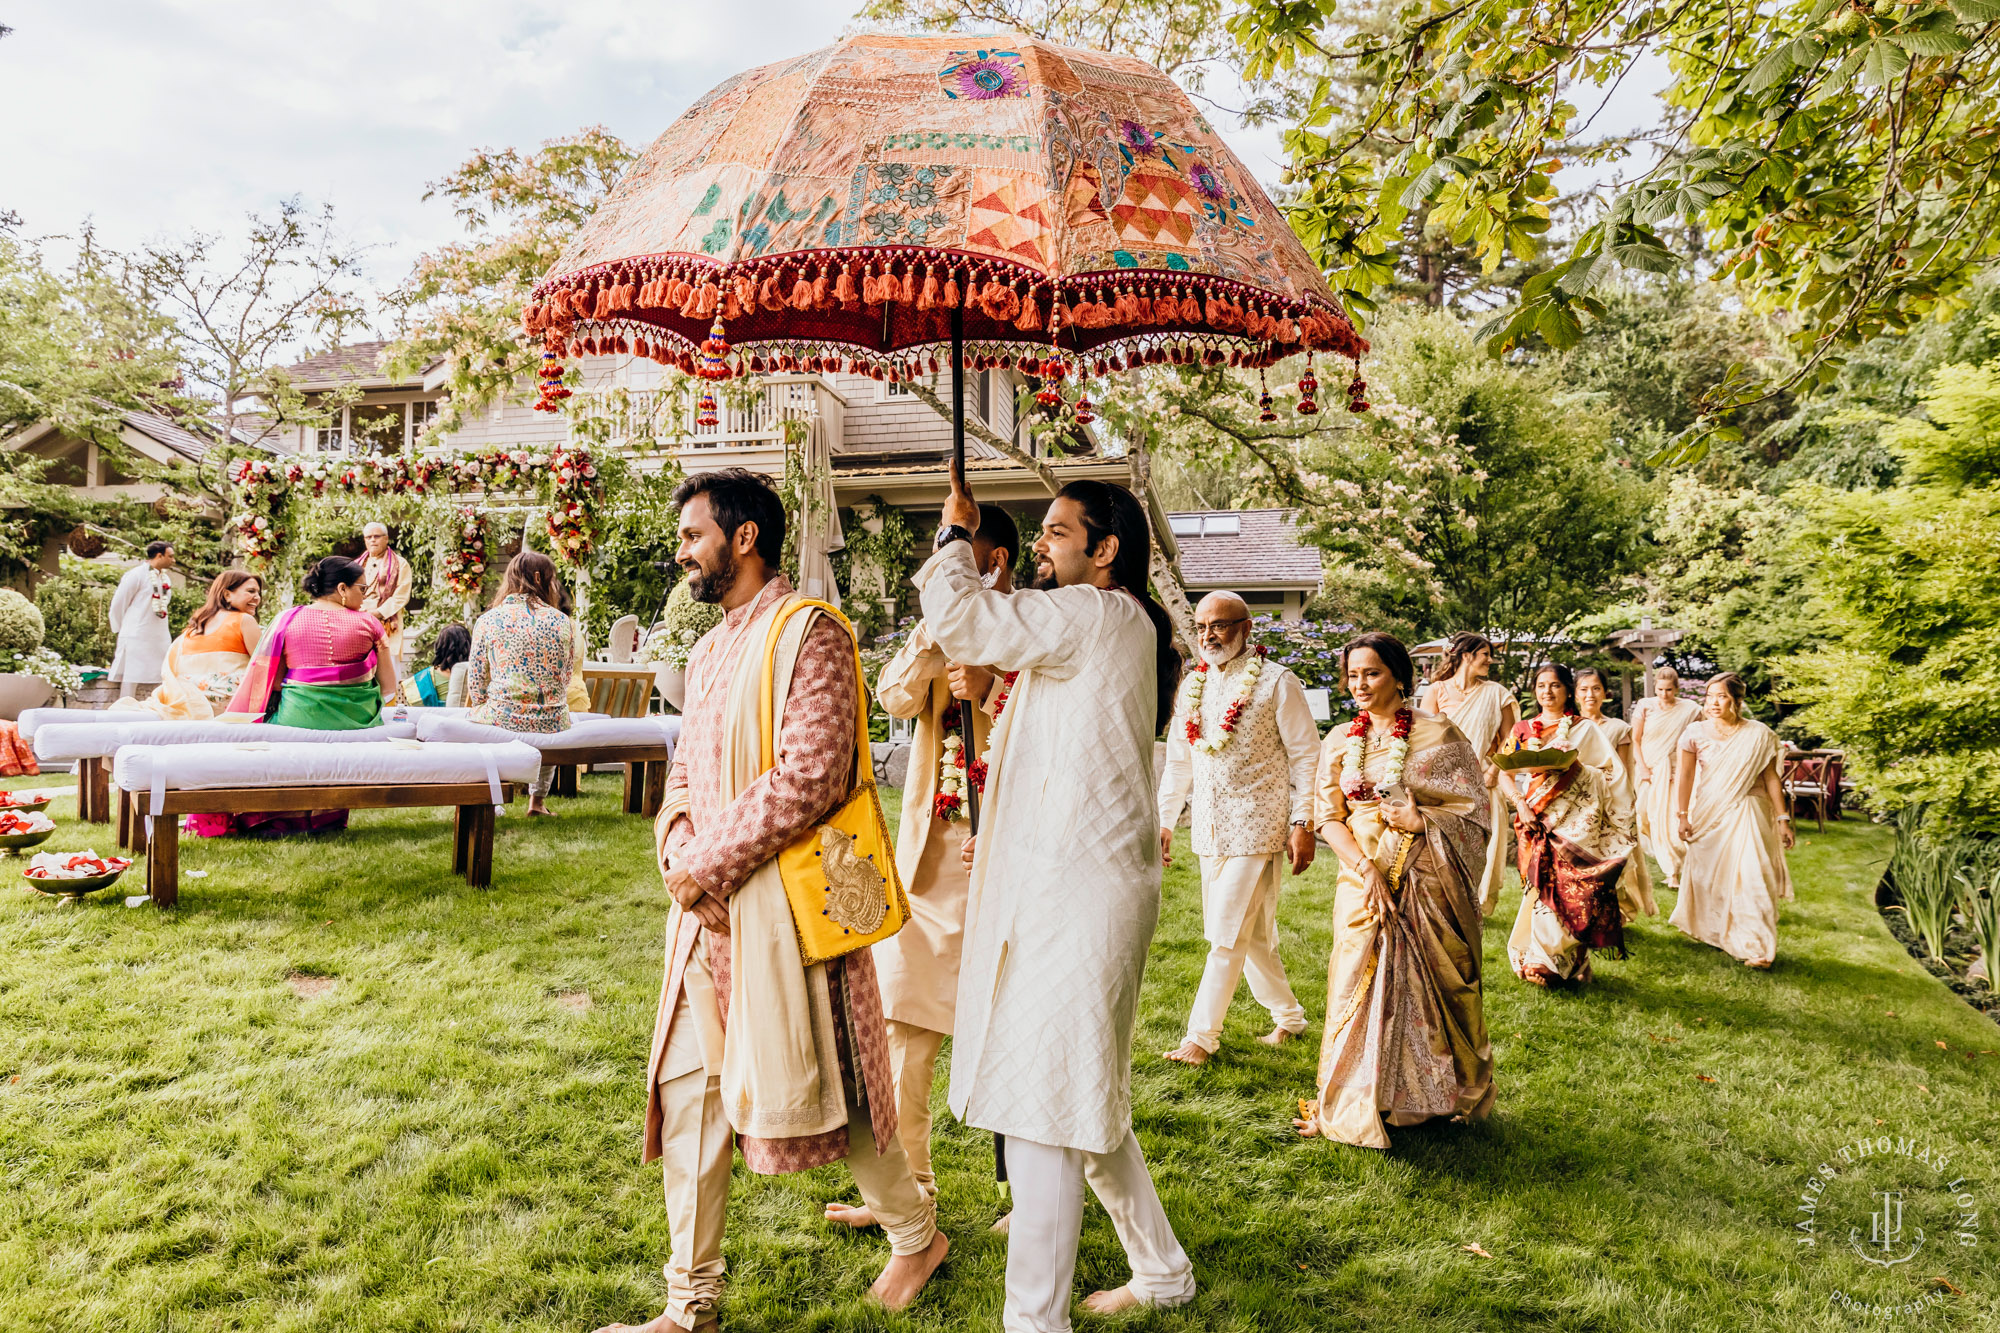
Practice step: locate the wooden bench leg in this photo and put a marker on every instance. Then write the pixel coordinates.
(124, 799)
(635, 787)
(100, 800)
(656, 788)
(565, 781)
(163, 861)
(135, 830)
(479, 856)
(461, 837)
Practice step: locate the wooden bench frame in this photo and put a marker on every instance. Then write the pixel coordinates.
(645, 772)
(93, 790)
(472, 835)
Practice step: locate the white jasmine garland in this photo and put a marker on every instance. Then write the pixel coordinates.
(1211, 745)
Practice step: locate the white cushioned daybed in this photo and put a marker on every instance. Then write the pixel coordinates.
(644, 745)
(157, 784)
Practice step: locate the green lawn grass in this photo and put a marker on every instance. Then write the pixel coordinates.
(339, 1090)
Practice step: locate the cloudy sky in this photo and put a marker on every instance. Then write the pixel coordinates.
(157, 117)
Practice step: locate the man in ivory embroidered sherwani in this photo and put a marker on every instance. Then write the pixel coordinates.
(1065, 888)
(139, 615)
(1244, 745)
(789, 1061)
(385, 586)
(918, 965)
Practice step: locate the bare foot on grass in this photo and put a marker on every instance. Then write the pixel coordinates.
(906, 1274)
(849, 1215)
(662, 1324)
(1000, 1228)
(1186, 1053)
(1115, 1301)
(1278, 1036)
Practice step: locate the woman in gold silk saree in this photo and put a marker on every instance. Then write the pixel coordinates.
(1405, 1037)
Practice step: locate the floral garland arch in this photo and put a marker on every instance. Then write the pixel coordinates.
(266, 489)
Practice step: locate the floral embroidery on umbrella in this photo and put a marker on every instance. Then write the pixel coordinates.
(983, 75)
(1137, 139)
(1206, 182)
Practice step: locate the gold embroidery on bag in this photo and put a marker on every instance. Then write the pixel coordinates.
(855, 896)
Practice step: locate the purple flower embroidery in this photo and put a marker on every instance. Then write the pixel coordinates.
(1207, 183)
(984, 75)
(1137, 137)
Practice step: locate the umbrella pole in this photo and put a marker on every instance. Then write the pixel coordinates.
(958, 471)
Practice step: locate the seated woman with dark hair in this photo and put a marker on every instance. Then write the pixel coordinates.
(523, 654)
(324, 667)
(442, 684)
(206, 663)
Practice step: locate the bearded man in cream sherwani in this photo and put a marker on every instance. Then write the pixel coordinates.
(1252, 792)
(753, 1050)
(1065, 888)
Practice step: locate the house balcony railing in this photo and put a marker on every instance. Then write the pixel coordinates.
(749, 432)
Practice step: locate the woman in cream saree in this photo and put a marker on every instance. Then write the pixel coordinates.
(1737, 829)
(1572, 846)
(1484, 712)
(1405, 1033)
(1635, 886)
(204, 666)
(1657, 724)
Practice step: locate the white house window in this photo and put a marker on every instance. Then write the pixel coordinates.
(330, 439)
(1206, 525)
(1185, 525)
(422, 414)
(376, 428)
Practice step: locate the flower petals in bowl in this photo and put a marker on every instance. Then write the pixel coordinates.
(32, 800)
(74, 873)
(19, 830)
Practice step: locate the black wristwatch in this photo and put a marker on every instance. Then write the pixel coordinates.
(948, 533)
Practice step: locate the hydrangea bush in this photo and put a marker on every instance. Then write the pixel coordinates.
(681, 626)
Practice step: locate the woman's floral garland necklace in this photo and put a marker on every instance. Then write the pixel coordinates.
(949, 803)
(1353, 782)
(1230, 715)
(1561, 741)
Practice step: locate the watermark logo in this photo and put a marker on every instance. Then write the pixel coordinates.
(1895, 1203)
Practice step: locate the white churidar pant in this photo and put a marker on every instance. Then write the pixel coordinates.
(1241, 895)
(1047, 1223)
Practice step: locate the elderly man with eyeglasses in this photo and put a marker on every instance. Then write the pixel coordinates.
(1243, 747)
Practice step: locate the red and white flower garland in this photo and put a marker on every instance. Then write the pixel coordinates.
(953, 773)
(1354, 783)
(1230, 715)
(1561, 741)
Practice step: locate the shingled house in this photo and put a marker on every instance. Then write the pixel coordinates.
(1253, 552)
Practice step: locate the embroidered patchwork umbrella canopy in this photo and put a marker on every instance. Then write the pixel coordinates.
(890, 201)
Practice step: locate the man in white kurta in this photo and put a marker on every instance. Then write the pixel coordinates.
(1064, 894)
(139, 614)
(1251, 788)
(385, 586)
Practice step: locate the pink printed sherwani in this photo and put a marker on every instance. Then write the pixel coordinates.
(814, 768)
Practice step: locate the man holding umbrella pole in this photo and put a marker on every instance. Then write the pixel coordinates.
(1064, 889)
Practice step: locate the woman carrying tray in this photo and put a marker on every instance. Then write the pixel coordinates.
(1572, 844)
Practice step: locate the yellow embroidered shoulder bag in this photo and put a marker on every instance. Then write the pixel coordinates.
(840, 874)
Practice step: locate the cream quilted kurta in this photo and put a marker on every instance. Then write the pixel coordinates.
(1065, 887)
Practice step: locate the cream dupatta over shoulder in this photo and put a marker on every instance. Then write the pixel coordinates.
(1635, 886)
(1479, 716)
(1405, 1014)
(1658, 750)
(779, 1068)
(1735, 873)
(1065, 888)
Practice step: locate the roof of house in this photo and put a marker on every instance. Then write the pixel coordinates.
(1243, 548)
(356, 363)
(162, 431)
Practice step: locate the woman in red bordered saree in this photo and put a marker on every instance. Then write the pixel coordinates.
(1402, 801)
(1574, 839)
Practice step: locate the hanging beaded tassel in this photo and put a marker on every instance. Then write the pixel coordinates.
(1265, 412)
(1085, 411)
(1308, 390)
(714, 366)
(552, 389)
(1052, 370)
(1357, 391)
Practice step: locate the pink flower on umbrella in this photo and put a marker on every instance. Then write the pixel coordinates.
(983, 75)
(1137, 137)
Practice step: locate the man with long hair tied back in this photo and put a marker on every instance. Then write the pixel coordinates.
(1065, 887)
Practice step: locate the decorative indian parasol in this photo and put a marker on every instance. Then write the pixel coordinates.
(887, 202)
